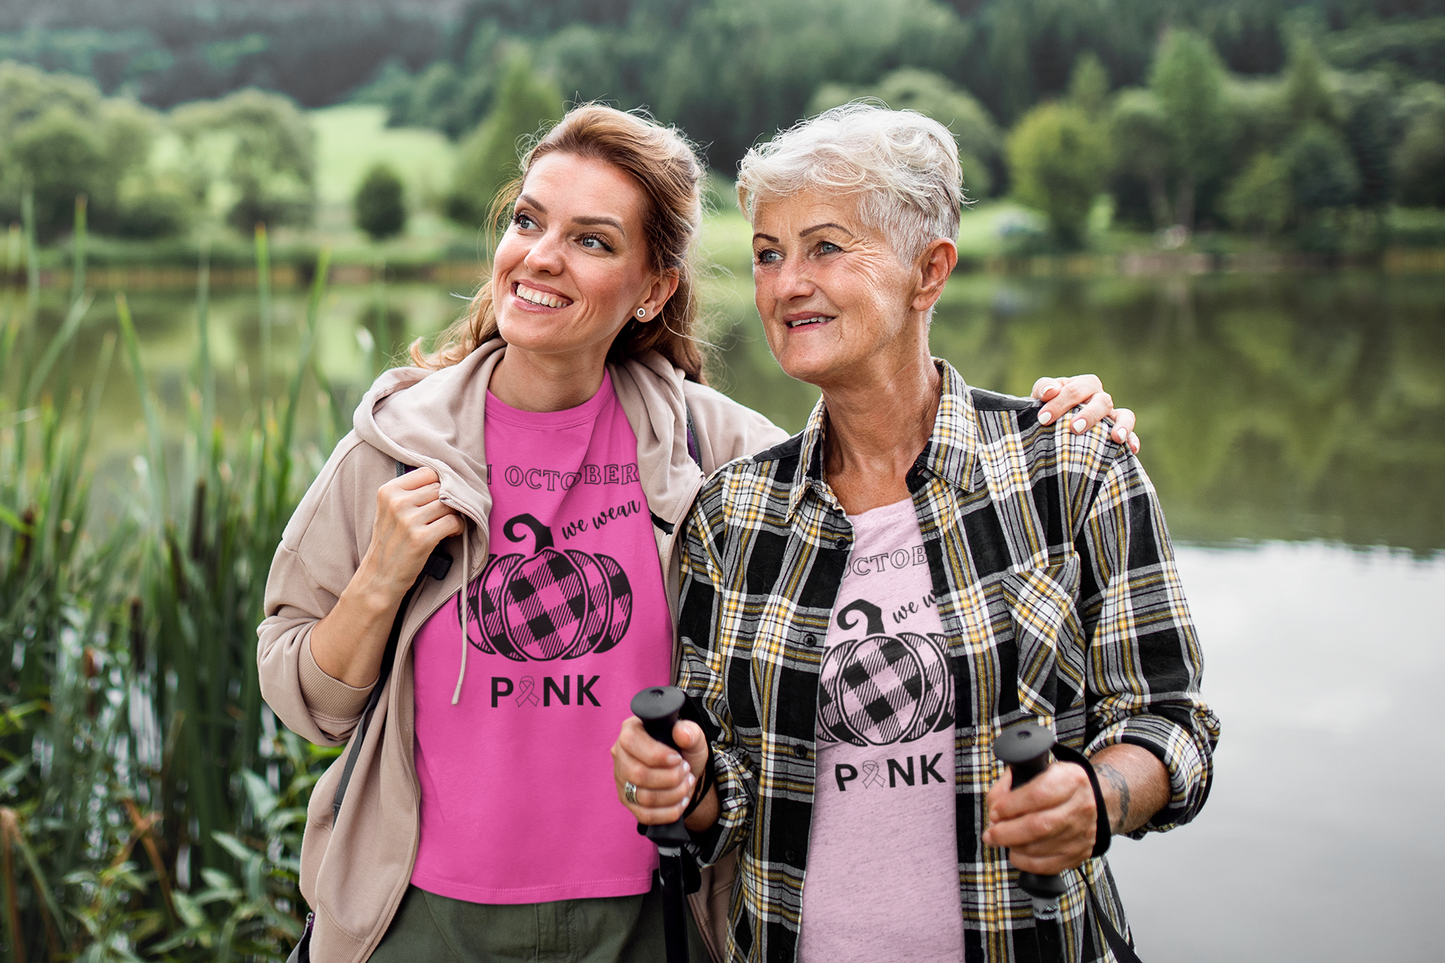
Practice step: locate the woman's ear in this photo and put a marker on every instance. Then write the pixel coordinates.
(935, 265)
(663, 287)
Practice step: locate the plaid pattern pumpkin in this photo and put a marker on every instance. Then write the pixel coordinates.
(549, 605)
(884, 689)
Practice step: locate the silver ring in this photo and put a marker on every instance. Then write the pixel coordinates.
(629, 792)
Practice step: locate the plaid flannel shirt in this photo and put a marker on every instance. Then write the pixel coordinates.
(1055, 582)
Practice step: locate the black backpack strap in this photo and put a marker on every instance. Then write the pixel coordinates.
(437, 566)
(692, 448)
(1122, 949)
(696, 454)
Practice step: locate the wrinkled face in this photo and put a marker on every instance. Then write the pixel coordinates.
(833, 297)
(572, 267)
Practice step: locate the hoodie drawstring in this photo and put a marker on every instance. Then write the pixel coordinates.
(466, 575)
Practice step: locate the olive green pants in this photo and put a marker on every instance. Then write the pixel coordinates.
(429, 928)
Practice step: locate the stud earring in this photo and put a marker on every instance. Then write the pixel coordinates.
(642, 312)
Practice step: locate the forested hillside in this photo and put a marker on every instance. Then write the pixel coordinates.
(726, 70)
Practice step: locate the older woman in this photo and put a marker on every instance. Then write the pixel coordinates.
(558, 436)
(869, 604)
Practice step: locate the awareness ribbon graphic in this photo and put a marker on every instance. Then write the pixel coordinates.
(528, 694)
(871, 775)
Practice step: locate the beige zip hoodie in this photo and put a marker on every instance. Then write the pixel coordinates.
(353, 873)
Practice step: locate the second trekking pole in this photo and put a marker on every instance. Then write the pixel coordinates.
(1026, 750)
(658, 708)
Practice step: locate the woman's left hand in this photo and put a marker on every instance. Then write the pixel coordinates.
(1062, 394)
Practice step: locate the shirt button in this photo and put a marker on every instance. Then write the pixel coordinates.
(841, 544)
(801, 751)
(790, 855)
(810, 640)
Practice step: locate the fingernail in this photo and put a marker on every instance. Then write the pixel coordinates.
(1045, 417)
(1079, 426)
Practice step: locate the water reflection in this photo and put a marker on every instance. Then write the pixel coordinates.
(1272, 407)
(1321, 840)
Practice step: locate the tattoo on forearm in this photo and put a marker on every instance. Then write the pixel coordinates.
(1121, 787)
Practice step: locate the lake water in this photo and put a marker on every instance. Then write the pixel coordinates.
(1295, 428)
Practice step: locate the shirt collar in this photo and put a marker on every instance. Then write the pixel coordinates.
(951, 453)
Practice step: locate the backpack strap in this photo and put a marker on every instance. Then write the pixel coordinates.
(437, 566)
(692, 448)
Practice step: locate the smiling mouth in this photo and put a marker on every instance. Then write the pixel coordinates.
(542, 298)
(815, 319)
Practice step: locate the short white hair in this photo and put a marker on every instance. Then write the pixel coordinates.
(903, 165)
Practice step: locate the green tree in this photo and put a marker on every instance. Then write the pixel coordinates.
(1058, 160)
(1258, 200)
(1322, 172)
(252, 155)
(932, 94)
(60, 138)
(60, 155)
(1188, 80)
(488, 158)
(1306, 95)
(379, 205)
(1143, 149)
(744, 68)
(1372, 128)
(1089, 84)
(1420, 156)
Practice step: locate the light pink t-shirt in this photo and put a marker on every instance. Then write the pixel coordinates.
(567, 622)
(882, 874)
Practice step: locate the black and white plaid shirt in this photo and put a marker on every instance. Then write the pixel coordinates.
(1056, 585)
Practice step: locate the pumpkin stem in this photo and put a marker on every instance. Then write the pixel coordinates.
(871, 612)
(540, 533)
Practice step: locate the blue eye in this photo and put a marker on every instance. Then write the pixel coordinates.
(594, 243)
(828, 247)
(768, 256)
(523, 220)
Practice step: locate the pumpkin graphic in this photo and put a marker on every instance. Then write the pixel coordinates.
(550, 605)
(884, 689)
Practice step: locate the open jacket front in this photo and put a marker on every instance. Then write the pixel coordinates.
(354, 873)
(1056, 586)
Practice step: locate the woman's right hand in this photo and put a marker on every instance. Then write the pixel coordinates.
(664, 777)
(411, 520)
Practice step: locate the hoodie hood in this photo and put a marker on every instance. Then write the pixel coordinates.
(435, 419)
(650, 390)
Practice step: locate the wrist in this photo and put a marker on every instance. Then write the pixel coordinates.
(372, 593)
(1103, 829)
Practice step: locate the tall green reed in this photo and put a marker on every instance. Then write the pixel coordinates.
(150, 806)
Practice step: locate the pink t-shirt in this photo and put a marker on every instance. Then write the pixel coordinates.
(882, 874)
(568, 620)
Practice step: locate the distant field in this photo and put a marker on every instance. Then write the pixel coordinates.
(351, 138)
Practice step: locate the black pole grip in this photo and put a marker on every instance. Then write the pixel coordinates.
(658, 708)
(1025, 747)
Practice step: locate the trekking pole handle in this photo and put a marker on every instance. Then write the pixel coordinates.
(1025, 748)
(658, 707)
